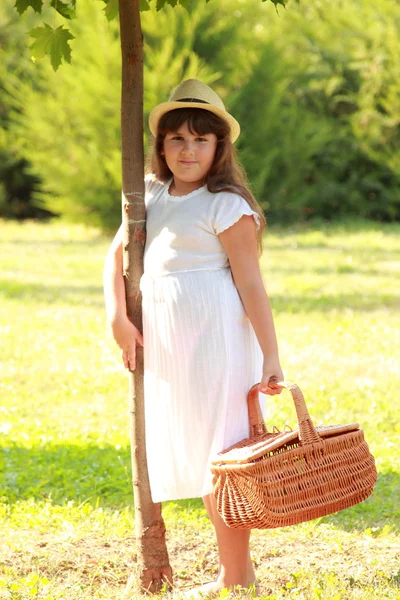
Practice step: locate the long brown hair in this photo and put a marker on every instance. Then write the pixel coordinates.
(226, 173)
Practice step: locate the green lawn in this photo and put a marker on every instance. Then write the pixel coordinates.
(65, 496)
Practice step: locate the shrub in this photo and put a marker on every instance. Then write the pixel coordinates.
(314, 87)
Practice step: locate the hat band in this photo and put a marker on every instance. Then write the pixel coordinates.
(192, 100)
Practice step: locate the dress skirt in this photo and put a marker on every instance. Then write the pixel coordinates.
(201, 357)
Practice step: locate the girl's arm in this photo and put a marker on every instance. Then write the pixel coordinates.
(125, 333)
(240, 243)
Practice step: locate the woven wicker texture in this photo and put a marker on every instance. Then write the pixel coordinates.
(276, 479)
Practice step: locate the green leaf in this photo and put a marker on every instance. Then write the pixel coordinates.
(111, 9)
(65, 10)
(161, 3)
(144, 5)
(22, 5)
(51, 42)
(277, 3)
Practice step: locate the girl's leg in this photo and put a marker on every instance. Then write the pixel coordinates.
(236, 567)
(209, 508)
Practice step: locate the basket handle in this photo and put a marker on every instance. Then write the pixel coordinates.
(307, 431)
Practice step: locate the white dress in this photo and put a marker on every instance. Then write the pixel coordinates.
(201, 355)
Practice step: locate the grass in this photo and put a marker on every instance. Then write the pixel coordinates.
(65, 495)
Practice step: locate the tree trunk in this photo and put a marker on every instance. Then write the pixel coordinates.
(152, 556)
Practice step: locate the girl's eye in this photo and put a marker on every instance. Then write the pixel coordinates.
(179, 138)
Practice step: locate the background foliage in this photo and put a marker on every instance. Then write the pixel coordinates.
(16, 181)
(315, 88)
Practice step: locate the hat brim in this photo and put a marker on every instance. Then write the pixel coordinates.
(165, 107)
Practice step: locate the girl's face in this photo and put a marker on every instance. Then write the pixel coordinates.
(189, 157)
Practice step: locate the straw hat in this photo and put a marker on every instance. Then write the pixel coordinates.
(193, 93)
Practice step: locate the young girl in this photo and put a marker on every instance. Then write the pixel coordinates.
(208, 331)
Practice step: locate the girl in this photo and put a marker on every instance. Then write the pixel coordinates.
(208, 331)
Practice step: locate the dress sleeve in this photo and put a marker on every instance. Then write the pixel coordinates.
(228, 209)
(149, 182)
(151, 188)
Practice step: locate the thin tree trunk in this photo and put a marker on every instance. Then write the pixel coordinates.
(153, 563)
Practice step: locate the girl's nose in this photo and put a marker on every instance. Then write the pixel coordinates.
(188, 147)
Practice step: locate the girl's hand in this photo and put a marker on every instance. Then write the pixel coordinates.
(127, 336)
(272, 373)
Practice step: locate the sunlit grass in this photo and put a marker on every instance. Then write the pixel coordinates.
(65, 459)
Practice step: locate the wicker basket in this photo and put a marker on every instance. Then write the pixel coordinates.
(277, 479)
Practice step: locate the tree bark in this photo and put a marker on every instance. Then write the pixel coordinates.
(152, 556)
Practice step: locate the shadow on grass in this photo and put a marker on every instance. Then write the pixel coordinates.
(300, 303)
(101, 476)
(55, 243)
(337, 226)
(52, 294)
(313, 301)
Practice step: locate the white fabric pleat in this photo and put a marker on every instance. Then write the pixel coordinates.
(201, 358)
